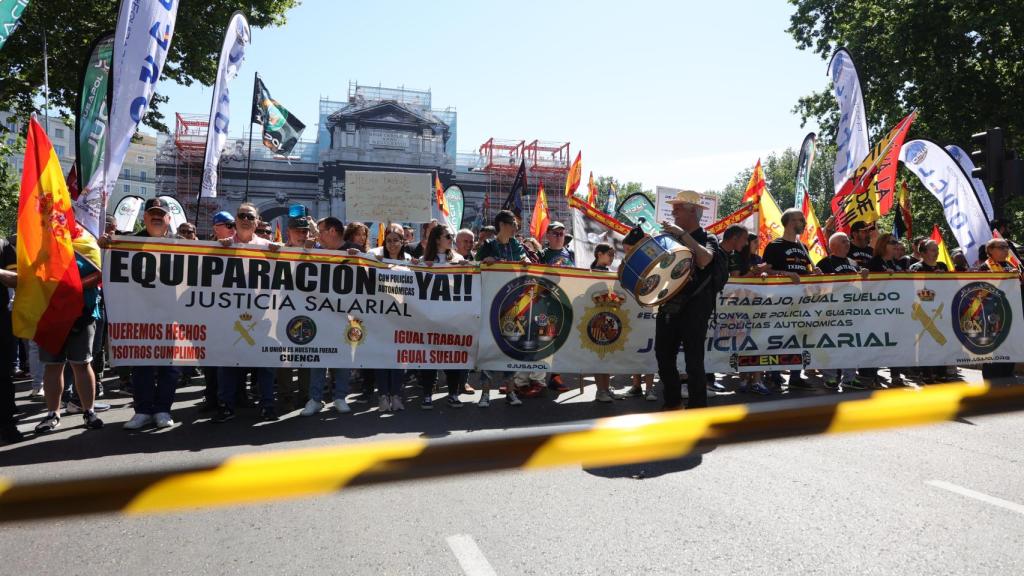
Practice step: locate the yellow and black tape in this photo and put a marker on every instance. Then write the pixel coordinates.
(605, 442)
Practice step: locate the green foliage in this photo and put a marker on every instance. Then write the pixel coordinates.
(624, 189)
(9, 186)
(72, 25)
(958, 63)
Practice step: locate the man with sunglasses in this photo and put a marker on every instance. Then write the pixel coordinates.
(861, 251)
(186, 231)
(223, 225)
(263, 230)
(246, 218)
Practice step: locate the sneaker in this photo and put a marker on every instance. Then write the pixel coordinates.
(92, 421)
(485, 399)
(557, 385)
(223, 415)
(138, 421)
(385, 403)
(635, 391)
(761, 388)
(99, 389)
(73, 408)
(396, 403)
(855, 384)
(535, 389)
(100, 407)
(832, 383)
(454, 402)
(311, 407)
(467, 389)
(427, 403)
(603, 396)
(651, 395)
(37, 392)
(717, 387)
(163, 419)
(269, 414)
(341, 406)
(49, 423)
(512, 400)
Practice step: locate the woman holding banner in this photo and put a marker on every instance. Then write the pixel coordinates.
(389, 380)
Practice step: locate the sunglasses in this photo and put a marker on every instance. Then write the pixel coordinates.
(245, 216)
(267, 232)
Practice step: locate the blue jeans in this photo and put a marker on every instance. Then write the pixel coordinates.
(846, 374)
(227, 385)
(389, 382)
(151, 398)
(318, 377)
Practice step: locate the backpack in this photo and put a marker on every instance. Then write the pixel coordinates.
(718, 271)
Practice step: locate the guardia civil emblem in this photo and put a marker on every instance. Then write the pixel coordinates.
(604, 326)
(355, 333)
(981, 317)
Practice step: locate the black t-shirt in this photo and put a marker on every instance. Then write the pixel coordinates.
(877, 264)
(785, 256)
(415, 251)
(861, 255)
(8, 261)
(737, 265)
(837, 265)
(907, 261)
(924, 267)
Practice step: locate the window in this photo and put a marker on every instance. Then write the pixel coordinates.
(140, 158)
(127, 188)
(58, 132)
(59, 149)
(126, 173)
(142, 175)
(142, 191)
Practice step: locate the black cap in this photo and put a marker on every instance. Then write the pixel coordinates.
(157, 203)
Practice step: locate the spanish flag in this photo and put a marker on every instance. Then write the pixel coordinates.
(943, 252)
(442, 202)
(277, 233)
(592, 191)
(540, 219)
(382, 232)
(573, 177)
(49, 295)
(813, 237)
(756, 186)
(769, 219)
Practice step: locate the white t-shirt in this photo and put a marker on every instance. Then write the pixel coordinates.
(256, 240)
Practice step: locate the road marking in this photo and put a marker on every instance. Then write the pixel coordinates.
(469, 555)
(1012, 506)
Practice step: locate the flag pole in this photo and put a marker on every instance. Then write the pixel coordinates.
(248, 158)
(46, 85)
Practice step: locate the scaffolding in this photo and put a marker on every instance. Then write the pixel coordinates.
(190, 133)
(546, 162)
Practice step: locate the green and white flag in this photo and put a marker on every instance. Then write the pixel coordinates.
(281, 130)
(94, 109)
(10, 17)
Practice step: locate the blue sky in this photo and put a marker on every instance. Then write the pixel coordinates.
(681, 94)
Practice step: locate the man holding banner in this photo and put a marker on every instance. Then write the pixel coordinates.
(684, 318)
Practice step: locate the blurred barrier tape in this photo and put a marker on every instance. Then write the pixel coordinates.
(605, 442)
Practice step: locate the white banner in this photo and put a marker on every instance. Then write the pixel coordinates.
(964, 160)
(126, 213)
(177, 213)
(664, 210)
(942, 175)
(199, 304)
(388, 196)
(852, 138)
(232, 54)
(545, 318)
(887, 320)
(141, 41)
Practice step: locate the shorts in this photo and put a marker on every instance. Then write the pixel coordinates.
(77, 347)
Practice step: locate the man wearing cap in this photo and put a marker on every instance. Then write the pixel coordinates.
(684, 318)
(223, 225)
(153, 387)
(298, 237)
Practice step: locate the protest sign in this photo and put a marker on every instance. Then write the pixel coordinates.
(388, 196)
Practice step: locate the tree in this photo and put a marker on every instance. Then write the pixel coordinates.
(71, 25)
(780, 177)
(958, 63)
(9, 186)
(624, 189)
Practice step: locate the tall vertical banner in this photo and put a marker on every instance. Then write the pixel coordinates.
(10, 18)
(232, 54)
(93, 117)
(803, 169)
(964, 160)
(141, 41)
(946, 180)
(852, 137)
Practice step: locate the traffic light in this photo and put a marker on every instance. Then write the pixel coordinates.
(988, 154)
(1013, 176)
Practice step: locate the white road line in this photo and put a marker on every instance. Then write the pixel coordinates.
(469, 555)
(1012, 506)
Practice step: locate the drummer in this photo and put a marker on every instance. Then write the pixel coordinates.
(684, 318)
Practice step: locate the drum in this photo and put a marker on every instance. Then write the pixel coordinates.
(656, 269)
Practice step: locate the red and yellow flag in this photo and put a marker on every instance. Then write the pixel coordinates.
(277, 233)
(756, 186)
(540, 219)
(382, 231)
(769, 219)
(943, 252)
(742, 213)
(442, 202)
(575, 175)
(49, 295)
(813, 236)
(592, 191)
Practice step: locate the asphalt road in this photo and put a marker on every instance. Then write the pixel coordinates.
(942, 499)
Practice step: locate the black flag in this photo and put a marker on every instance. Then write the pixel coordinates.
(514, 202)
(281, 130)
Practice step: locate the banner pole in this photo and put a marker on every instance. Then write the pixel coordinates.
(46, 85)
(248, 158)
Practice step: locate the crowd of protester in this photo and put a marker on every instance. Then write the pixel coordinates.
(71, 382)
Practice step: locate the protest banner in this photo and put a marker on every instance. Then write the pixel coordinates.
(388, 196)
(899, 319)
(664, 210)
(200, 304)
(542, 318)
